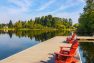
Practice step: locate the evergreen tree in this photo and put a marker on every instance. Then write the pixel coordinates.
(41, 23)
(86, 20)
(70, 21)
(10, 25)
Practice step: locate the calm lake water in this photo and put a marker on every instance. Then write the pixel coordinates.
(9, 46)
(87, 52)
(12, 42)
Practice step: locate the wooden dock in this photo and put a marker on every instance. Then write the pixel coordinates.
(40, 53)
(85, 38)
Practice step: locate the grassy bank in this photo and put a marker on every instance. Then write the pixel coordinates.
(27, 29)
(7, 29)
(37, 29)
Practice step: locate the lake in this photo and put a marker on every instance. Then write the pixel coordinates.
(87, 52)
(9, 46)
(12, 42)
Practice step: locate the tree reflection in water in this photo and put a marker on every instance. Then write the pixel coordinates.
(87, 48)
(88, 52)
(39, 35)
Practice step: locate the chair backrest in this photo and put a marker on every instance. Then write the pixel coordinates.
(74, 44)
(74, 47)
(73, 51)
(73, 36)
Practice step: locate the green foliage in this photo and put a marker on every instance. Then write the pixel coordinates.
(10, 25)
(76, 25)
(0, 25)
(44, 22)
(70, 21)
(18, 25)
(86, 20)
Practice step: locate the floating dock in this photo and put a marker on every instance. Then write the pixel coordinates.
(40, 53)
(85, 38)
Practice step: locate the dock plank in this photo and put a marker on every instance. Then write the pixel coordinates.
(85, 37)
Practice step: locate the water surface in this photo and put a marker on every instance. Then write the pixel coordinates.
(87, 52)
(9, 46)
(12, 42)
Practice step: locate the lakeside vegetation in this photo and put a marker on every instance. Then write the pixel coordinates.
(40, 23)
(84, 26)
(86, 20)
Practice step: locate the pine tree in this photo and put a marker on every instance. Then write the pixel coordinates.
(10, 25)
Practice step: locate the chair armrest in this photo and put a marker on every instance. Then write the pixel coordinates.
(65, 47)
(64, 54)
(75, 47)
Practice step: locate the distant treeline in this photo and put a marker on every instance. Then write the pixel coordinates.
(43, 22)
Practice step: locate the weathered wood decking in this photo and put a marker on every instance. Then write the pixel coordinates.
(40, 53)
(85, 38)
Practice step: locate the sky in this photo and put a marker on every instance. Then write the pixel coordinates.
(26, 9)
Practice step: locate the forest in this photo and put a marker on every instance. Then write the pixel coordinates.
(44, 22)
(86, 20)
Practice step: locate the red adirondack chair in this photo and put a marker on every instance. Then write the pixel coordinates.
(70, 40)
(75, 44)
(67, 60)
(65, 57)
(66, 54)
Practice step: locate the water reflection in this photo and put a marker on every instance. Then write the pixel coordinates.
(10, 46)
(39, 35)
(87, 52)
(12, 42)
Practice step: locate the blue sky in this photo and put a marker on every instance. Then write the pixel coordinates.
(27, 9)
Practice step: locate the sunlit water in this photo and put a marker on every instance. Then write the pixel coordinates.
(16, 41)
(10, 46)
(12, 42)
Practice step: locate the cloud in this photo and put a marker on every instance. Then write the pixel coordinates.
(70, 3)
(22, 5)
(15, 12)
(44, 6)
(82, 0)
(27, 9)
(60, 12)
(73, 15)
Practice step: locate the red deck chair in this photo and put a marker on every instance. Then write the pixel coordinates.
(65, 56)
(66, 53)
(75, 44)
(67, 60)
(70, 40)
